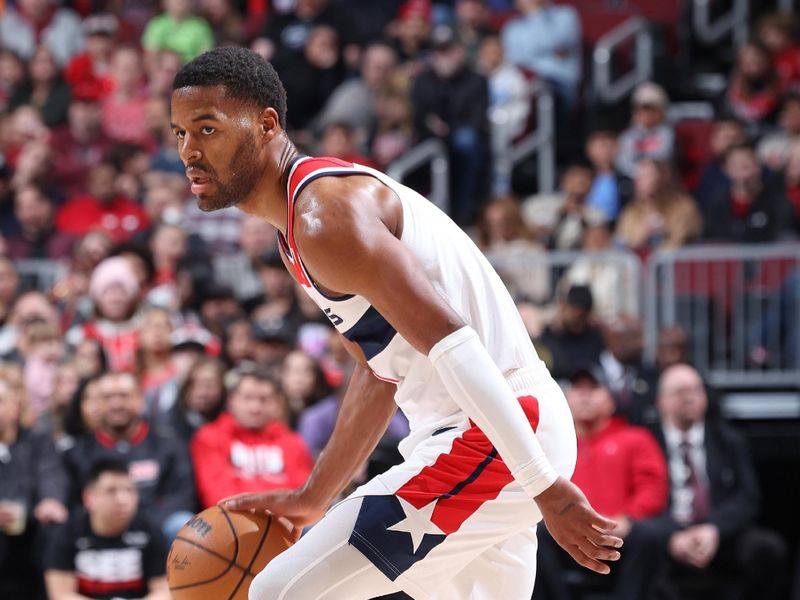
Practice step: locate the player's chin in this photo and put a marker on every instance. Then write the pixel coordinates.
(208, 202)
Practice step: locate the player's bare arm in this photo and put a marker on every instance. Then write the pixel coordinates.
(359, 226)
(367, 407)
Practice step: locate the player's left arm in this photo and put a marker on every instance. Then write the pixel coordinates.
(381, 269)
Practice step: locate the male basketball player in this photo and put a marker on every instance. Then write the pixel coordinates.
(492, 444)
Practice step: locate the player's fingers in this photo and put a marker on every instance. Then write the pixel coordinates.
(586, 561)
(244, 502)
(602, 523)
(598, 552)
(604, 539)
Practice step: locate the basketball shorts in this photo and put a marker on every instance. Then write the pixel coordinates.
(447, 523)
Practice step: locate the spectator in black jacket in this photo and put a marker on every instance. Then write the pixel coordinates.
(709, 530)
(157, 462)
(753, 209)
(33, 490)
(450, 102)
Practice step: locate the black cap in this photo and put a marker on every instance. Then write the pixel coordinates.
(216, 291)
(592, 371)
(185, 338)
(274, 330)
(443, 36)
(269, 259)
(580, 296)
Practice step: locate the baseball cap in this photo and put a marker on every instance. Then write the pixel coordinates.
(274, 330)
(650, 94)
(589, 371)
(443, 36)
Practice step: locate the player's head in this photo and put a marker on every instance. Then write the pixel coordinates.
(110, 496)
(227, 105)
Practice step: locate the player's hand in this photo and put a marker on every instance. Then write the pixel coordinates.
(577, 527)
(295, 506)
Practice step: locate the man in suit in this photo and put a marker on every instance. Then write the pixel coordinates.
(709, 530)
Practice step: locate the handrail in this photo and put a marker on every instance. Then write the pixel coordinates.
(680, 111)
(541, 140)
(612, 91)
(433, 152)
(734, 21)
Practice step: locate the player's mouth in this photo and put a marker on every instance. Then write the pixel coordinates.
(199, 180)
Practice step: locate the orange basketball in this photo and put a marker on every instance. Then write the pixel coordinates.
(216, 555)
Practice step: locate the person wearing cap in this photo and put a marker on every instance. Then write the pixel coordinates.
(649, 135)
(571, 337)
(623, 473)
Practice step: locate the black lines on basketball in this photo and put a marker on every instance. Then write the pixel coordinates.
(233, 531)
(253, 558)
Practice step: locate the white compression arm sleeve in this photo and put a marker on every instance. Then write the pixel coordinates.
(479, 388)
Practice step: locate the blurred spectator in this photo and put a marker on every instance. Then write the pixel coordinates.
(672, 347)
(773, 149)
(84, 412)
(88, 72)
(753, 209)
(273, 339)
(179, 30)
(124, 108)
(792, 182)
(714, 499)
(410, 34)
(571, 338)
(225, 20)
(168, 245)
(34, 162)
(660, 215)
(33, 489)
(509, 102)
(754, 90)
(155, 368)
(219, 230)
(115, 293)
(546, 39)
(776, 32)
(45, 90)
(30, 22)
(558, 220)
(201, 398)
(354, 101)
(303, 383)
(649, 134)
(163, 207)
(28, 308)
(726, 133)
(622, 471)
(160, 71)
(451, 102)
(631, 381)
(37, 237)
(159, 468)
(472, 26)
(13, 75)
(249, 448)
(278, 308)
(108, 549)
(42, 350)
(340, 140)
(319, 61)
(53, 421)
(238, 342)
(9, 285)
(103, 207)
(393, 132)
(611, 190)
(78, 147)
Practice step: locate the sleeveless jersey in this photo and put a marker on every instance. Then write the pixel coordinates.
(460, 274)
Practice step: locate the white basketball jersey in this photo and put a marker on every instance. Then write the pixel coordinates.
(458, 271)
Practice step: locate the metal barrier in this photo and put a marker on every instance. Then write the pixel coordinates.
(40, 274)
(430, 152)
(541, 140)
(733, 22)
(740, 305)
(613, 90)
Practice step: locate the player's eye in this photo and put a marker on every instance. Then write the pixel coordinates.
(180, 134)
(207, 130)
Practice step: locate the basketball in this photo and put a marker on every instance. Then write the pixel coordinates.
(217, 554)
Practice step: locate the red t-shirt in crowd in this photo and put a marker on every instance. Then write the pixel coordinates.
(121, 218)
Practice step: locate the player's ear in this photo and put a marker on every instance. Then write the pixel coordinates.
(270, 122)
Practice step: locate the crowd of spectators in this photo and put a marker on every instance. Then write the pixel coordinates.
(173, 361)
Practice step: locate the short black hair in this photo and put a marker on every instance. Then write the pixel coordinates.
(106, 465)
(243, 73)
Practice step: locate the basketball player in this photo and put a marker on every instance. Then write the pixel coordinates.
(492, 444)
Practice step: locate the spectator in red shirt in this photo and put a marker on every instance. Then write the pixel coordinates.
(623, 472)
(649, 134)
(776, 32)
(88, 72)
(249, 448)
(754, 90)
(102, 208)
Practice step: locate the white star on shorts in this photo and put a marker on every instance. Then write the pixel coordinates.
(417, 522)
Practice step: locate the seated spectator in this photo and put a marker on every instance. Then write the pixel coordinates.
(303, 383)
(84, 412)
(219, 230)
(225, 20)
(124, 108)
(393, 132)
(53, 421)
(249, 448)
(168, 245)
(108, 549)
(622, 471)
(45, 89)
(9, 287)
(571, 338)
(278, 306)
(649, 135)
(451, 102)
(710, 529)
(509, 102)
(273, 339)
(672, 347)
(341, 141)
(559, 220)
(155, 369)
(773, 149)
(156, 462)
(88, 72)
(546, 39)
(38, 237)
(201, 399)
(237, 348)
(611, 190)
(792, 179)
(726, 133)
(754, 90)
(753, 209)
(29, 307)
(410, 35)
(776, 32)
(114, 291)
(28, 22)
(471, 22)
(43, 349)
(660, 214)
(13, 73)
(178, 29)
(631, 381)
(32, 495)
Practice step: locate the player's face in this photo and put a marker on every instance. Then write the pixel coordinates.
(218, 144)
